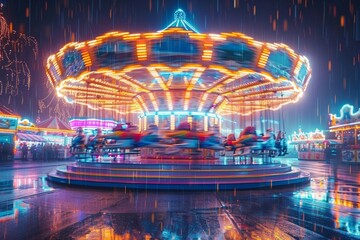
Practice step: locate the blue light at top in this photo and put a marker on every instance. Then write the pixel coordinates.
(180, 21)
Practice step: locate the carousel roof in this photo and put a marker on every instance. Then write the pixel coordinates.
(178, 70)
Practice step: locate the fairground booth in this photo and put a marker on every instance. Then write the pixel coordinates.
(346, 127)
(315, 145)
(51, 132)
(8, 127)
(27, 134)
(56, 131)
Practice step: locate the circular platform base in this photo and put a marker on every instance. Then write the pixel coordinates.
(178, 174)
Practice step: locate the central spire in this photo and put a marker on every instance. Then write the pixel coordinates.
(179, 15)
(180, 22)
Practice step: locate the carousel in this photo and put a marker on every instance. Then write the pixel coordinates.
(175, 87)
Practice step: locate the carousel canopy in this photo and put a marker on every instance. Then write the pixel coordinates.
(178, 69)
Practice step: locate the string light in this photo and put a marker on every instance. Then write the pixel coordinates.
(14, 68)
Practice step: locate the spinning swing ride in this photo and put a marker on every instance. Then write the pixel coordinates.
(176, 76)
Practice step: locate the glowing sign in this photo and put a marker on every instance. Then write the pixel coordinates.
(93, 123)
(347, 115)
(26, 123)
(311, 136)
(8, 123)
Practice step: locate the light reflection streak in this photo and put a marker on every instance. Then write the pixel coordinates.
(10, 210)
(40, 183)
(343, 201)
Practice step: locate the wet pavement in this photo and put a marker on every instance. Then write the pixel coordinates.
(326, 208)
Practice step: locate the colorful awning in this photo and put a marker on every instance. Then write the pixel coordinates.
(30, 137)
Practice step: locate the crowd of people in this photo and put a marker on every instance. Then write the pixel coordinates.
(6, 151)
(42, 151)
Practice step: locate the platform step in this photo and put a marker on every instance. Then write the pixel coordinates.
(178, 176)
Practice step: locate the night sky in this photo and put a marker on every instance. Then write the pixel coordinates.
(326, 31)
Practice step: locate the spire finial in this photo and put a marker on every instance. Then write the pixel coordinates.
(180, 22)
(179, 15)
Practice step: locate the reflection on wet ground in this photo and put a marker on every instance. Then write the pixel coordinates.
(23, 187)
(327, 208)
(10, 210)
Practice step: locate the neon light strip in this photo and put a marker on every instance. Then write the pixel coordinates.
(164, 113)
(202, 102)
(191, 27)
(168, 26)
(142, 103)
(92, 123)
(172, 122)
(87, 60)
(153, 100)
(263, 57)
(298, 66)
(139, 104)
(344, 125)
(187, 99)
(141, 51)
(351, 111)
(195, 78)
(167, 113)
(169, 100)
(157, 77)
(181, 113)
(206, 126)
(145, 123)
(184, 23)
